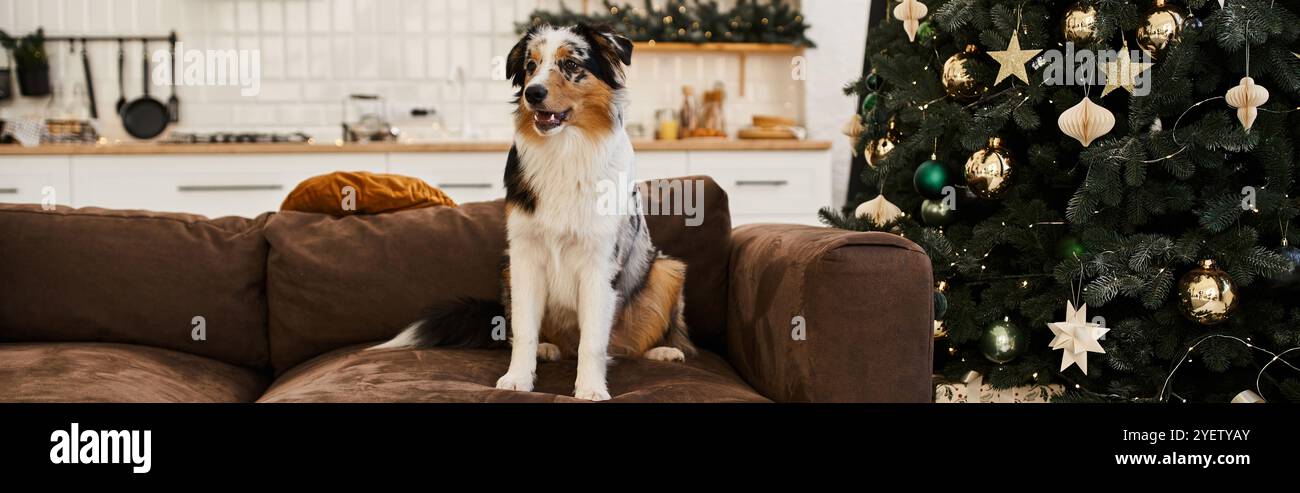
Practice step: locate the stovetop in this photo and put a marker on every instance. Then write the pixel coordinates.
(236, 138)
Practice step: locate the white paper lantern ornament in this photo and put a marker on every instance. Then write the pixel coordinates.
(910, 12)
(1086, 121)
(1247, 96)
(880, 211)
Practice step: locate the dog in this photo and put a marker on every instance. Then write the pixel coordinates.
(578, 281)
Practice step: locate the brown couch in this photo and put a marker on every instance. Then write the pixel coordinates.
(103, 305)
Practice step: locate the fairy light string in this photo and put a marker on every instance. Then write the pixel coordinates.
(1165, 391)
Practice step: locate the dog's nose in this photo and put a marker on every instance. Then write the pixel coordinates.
(535, 94)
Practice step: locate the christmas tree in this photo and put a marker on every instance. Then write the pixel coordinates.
(1161, 196)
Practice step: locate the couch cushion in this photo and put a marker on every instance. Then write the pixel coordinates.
(134, 277)
(469, 375)
(371, 193)
(102, 372)
(333, 282)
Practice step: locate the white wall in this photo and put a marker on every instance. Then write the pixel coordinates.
(840, 30)
(314, 52)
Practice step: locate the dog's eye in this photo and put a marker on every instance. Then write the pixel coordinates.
(530, 66)
(570, 65)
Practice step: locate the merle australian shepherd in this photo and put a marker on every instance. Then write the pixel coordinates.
(578, 281)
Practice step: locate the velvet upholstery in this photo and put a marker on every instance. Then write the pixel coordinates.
(104, 372)
(138, 277)
(365, 192)
(332, 282)
(866, 301)
(98, 305)
(469, 375)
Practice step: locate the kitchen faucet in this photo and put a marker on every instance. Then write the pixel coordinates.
(458, 78)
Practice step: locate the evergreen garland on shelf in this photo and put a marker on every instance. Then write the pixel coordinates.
(694, 21)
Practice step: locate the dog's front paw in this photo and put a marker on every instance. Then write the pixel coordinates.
(591, 394)
(665, 353)
(511, 381)
(548, 352)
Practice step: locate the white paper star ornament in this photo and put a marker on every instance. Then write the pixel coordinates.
(1076, 337)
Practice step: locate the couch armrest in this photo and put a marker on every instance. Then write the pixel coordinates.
(866, 301)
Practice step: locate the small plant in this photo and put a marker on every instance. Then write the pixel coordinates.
(32, 61)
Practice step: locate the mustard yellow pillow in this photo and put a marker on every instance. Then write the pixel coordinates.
(345, 193)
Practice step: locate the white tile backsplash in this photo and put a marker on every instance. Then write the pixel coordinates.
(315, 52)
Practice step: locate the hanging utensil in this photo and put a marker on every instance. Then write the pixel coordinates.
(90, 84)
(173, 103)
(6, 76)
(121, 78)
(145, 117)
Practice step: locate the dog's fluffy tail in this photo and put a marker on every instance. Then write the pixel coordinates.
(466, 323)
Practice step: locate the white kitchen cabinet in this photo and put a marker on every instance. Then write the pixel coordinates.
(212, 185)
(786, 186)
(771, 186)
(463, 176)
(31, 180)
(661, 164)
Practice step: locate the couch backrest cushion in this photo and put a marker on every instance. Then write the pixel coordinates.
(703, 241)
(96, 275)
(333, 282)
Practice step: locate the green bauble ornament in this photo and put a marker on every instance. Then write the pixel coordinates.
(1069, 247)
(925, 31)
(930, 178)
(940, 305)
(936, 213)
(869, 102)
(873, 81)
(1002, 342)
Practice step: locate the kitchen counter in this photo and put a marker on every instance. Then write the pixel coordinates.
(449, 146)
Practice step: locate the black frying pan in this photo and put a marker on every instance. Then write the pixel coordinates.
(145, 117)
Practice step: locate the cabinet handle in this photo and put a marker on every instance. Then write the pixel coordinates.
(464, 185)
(9, 190)
(770, 183)
(227, 188)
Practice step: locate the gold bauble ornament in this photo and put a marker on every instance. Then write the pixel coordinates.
(988, 171)
(957, 81)
(910, 12)
(1080, 25)
(1206, 294)
(1162, 28)
(1086, 121)
(877, 149)
(1246, 97)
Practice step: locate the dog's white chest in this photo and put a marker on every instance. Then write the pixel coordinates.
(571, 227)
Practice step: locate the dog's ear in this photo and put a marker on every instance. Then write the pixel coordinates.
(515, 60)
(622, 45)
(614, 45)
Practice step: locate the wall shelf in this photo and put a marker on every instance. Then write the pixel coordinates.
(741, 50)
(718, 47)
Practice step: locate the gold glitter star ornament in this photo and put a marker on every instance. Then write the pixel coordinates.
(1012, 60)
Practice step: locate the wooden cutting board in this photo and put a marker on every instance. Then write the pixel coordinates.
(765, 133)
